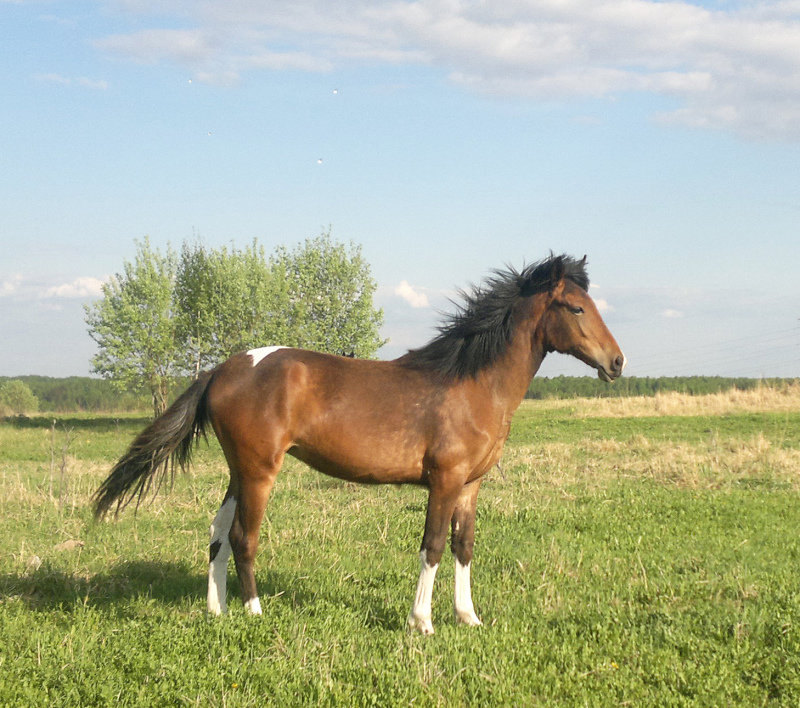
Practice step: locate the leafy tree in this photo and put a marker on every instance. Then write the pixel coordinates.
(134, 326)
(317, 296)
(325, 294)
(227, 301)
(17, 397)
(164, 316)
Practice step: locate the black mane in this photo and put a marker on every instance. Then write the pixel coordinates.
(480, 330)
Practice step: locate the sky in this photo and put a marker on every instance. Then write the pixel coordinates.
(445, 137)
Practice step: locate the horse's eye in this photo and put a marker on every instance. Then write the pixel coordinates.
(576, 310)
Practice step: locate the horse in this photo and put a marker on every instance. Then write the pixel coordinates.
(437, 417)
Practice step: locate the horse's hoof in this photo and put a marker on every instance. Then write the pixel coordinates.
(423, 625)
(253, 606)
(468, 618)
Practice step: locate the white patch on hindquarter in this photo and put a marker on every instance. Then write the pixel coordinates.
(218, 568)
(259, 354)
(420, 615)
(465, 611)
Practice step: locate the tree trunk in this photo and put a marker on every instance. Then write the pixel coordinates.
(158, 391)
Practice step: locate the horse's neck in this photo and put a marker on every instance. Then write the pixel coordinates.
(510, 377)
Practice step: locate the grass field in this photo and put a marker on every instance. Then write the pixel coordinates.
(629, 552)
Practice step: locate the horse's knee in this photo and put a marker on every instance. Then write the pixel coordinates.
(434, 549)
(463, 536)
(244, 547)
(462, 548)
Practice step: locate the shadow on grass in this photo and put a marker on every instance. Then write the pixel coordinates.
(170, 584)
(379, 615)
(178, 584)
(49, 588)
(91, 423)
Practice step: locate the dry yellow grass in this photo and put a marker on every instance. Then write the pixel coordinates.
(759, 400)
(708, 465)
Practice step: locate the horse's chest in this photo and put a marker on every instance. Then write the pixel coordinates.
(495, 449)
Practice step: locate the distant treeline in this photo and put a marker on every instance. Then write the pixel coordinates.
(588, 387)
(82, 393)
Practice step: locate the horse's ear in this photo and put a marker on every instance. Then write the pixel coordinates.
(556, 272)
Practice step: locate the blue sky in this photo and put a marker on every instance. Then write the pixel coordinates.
(446, 137)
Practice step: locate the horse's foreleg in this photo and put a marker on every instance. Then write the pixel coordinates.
(461, 543)
(420, 616)
(441, 502)
(254, 490)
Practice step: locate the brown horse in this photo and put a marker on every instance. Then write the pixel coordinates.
(436, 417)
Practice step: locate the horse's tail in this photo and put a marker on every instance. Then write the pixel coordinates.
(154, 453)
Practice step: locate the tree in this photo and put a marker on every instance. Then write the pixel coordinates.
(317, 296)
(325, 294)
(17, 397)
(165, 316)
(134, 326)
(227, 301)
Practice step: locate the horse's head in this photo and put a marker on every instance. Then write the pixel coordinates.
(572, 325)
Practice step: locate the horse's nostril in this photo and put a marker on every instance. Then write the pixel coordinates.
(619, 362)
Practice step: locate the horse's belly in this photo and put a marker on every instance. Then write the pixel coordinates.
(361, 465)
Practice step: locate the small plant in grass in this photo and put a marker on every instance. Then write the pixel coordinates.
(59, 456)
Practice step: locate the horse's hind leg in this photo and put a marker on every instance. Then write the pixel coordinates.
(219, 553)
(254, 491)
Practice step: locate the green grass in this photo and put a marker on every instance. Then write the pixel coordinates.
(539, 425)
(597, 584)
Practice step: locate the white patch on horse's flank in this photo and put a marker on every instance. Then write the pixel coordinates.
(218, 567)
(420, 616)
(259, 354)
(465, 611)
(253, 606)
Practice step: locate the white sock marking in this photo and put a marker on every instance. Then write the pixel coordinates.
(253, 606)
(262, 353)
(465, 611)
(218, 568)
(420, 616)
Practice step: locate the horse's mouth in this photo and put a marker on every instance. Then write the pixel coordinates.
(603, 375)
(610, 374)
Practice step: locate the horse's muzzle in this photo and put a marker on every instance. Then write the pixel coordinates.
(614, 371)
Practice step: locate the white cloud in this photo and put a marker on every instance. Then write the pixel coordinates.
(411, 296)
(602, 305)
(671, 314)
(10, 285)
(22, 288)
(56, 20)
(53, 79)
(80, 287)
(734, 67)
(81, 81)
(214, 55)
(154, 45)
